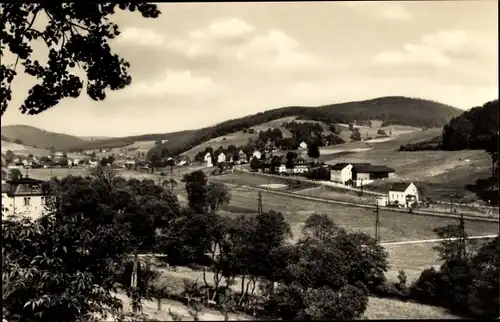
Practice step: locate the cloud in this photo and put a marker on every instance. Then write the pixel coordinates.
(225, 28)
(275, 48)
(140, 36)
(440, 49)
(394, 11)
(381, 10)
(174, 83)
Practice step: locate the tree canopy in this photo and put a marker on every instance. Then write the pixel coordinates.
(76, 34)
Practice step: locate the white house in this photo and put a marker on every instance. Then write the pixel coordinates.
(303, 145)
(256, 154)
(341, 173)
(221, 158)
(23, 196)
(282, 168)
(403, 193)
(300, 166)
(93, 163)
(208, 159)
(243, 158)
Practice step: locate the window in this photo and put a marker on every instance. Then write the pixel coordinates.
(27, 201)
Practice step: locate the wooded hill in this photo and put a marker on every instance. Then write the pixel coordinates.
(391, 110)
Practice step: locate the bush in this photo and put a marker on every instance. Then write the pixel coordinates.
(426, 288)
(381, 132)
(389, 290)
(429, 145)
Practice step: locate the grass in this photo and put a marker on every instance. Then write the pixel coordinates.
(393, 309)
(439, 173)
(248, 179)
(20, 149)
(394, 226)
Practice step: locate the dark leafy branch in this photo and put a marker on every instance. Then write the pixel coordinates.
(76, 34)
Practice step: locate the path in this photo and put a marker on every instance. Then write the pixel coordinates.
(434, 240)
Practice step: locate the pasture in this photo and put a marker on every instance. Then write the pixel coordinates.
(440, 173)
(20, 149)
(249, 179)
(394, 226)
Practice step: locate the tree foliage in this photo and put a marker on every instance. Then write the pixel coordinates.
(62, 266)
(327, 274)
(467, 285)
(76, 35)
(196, 188)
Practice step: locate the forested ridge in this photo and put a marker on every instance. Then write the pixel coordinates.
(391, 110)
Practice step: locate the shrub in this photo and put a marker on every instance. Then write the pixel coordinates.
(381, 132)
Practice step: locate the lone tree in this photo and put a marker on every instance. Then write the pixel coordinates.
(313, 150)
(76, 35)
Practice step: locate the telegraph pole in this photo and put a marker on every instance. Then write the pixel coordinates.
(259, 203)
(377, 222)
(463, 236)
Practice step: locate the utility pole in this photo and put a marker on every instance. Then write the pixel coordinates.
(259, 203)
(133, 284)
(377, 221)
(463, 236)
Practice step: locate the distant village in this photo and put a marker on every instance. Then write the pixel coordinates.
(26, 193)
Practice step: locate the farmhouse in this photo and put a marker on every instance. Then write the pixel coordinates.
(342, 172)
(221, 157)
(282, 167)
(208, 159)
(359, 173)
(300, 166)
(303, 145)
(93, 163)
(365, 174)
(404, 194)
(243, 158)
(23, 196)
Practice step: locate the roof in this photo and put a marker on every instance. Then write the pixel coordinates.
(372, 168)
(25, 181)
(342, 165)
(400, 186)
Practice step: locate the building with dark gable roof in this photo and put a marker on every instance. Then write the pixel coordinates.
(359, 173)
(24, 196)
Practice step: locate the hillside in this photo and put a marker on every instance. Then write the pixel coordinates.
(19, 149)
(38, 138)
(128, 140)
(390, 110)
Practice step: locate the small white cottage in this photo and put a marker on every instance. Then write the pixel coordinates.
(208, 159)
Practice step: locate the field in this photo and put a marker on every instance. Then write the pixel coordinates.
(394, 226)
(439, 173)
(248, 179)
(19, 149)
(141, 146)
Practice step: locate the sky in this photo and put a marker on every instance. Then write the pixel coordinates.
(203, 63)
